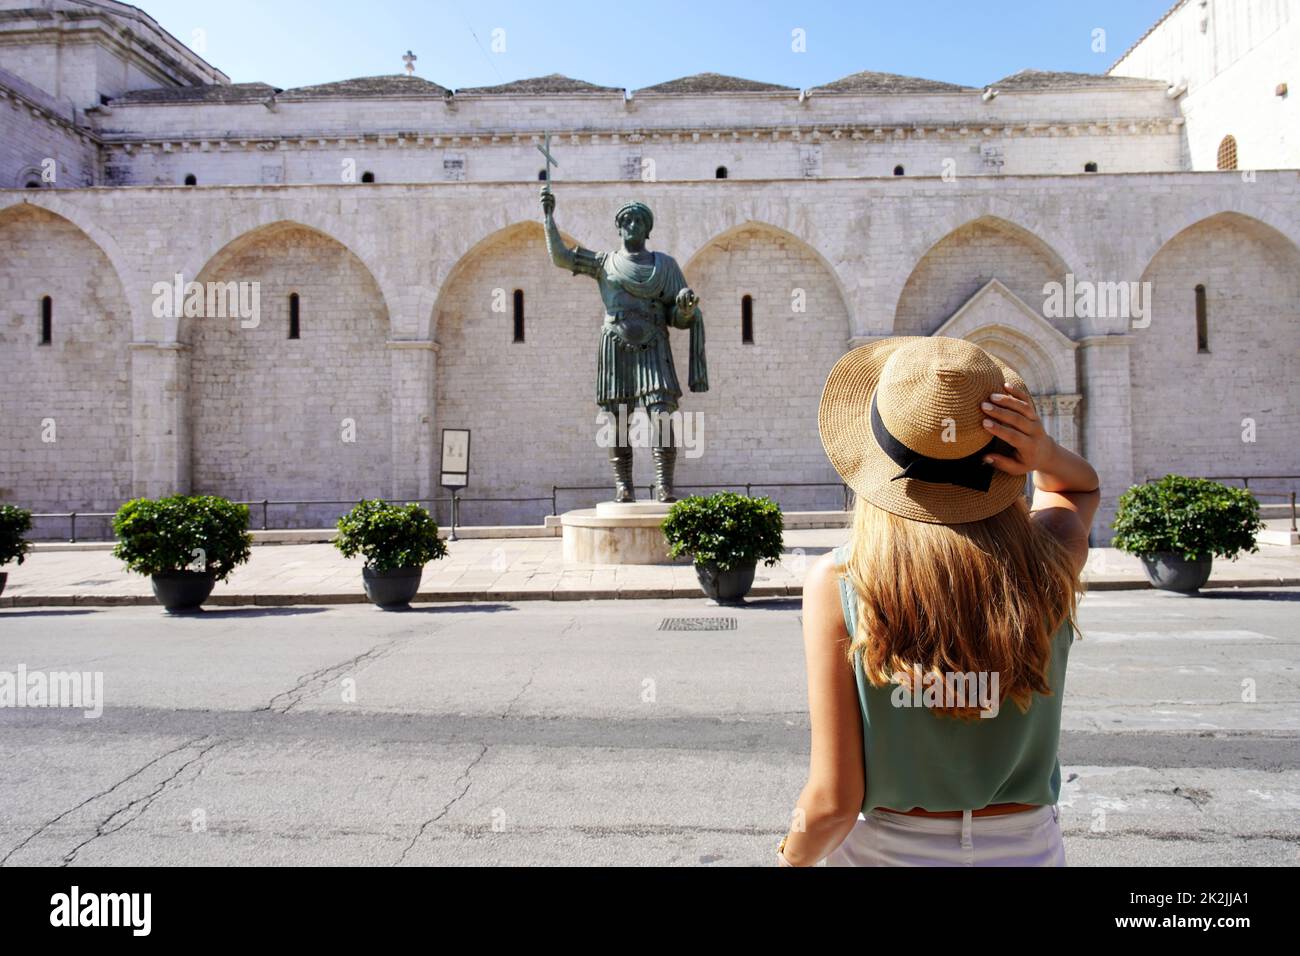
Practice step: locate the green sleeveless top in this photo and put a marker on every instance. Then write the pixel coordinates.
(915, 758)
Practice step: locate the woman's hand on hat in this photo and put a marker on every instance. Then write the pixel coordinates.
(1010, 415)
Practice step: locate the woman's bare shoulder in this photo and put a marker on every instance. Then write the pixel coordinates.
(822, 567)
(821, 582)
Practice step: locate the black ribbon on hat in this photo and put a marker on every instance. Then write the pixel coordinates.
(969, 472)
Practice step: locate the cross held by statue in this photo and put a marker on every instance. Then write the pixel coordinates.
(545, 149)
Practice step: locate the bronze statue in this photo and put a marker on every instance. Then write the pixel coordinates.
(644, 293)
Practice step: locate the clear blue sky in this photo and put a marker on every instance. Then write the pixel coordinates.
(640, 42)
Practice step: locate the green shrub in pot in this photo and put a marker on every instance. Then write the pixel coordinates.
(185, 543)
(1178, 525)
(726, 534)
(14, 524)
(397, 541)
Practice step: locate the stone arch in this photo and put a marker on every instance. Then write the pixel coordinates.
(526, 231)
(51, 202)
(1021, 353)
(1260, 224)
(28, 175)
(964, 260)
(237, 231)
(1228, 410)
(831, 271)
(302, 419)
(1000, 322)
(66, 428)
(1239, 209)
(801, 324)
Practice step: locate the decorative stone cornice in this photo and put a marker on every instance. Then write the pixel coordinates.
(39, 111)
(838, 132)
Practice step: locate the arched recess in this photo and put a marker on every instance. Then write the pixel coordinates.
(135, 291)
(1001, 323)
(66, 427)
(236, 229)
(968, 258)
(291, 419)
(760, 412)
(29, 177)
(526, 233)
(1230, 410)
(1263, 219)
(530, 405)
(832, 274)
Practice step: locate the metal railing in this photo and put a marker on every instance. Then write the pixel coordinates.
(264, 505)
(748, 485)
(1288, 496)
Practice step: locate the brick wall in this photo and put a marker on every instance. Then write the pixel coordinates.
(28, 137)
(76, 390)
(269, 414)
(1189, 407)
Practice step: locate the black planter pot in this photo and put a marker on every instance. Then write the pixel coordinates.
(180, 591)
(392, 590)
(1172, 572)
(726, 587)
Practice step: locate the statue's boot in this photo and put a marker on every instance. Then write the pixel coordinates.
(665, 457)
(620, 456)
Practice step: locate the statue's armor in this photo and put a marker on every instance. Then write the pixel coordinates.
(635, 361)
(636, 323)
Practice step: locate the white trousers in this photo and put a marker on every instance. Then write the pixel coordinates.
(881, 838)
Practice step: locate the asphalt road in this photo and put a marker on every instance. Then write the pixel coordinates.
(583, 733)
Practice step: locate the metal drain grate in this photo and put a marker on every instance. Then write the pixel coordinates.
(698, 624)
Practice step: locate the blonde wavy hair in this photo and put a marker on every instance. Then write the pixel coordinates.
(984, 596)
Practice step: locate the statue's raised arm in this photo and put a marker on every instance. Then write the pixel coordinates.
(576, 260)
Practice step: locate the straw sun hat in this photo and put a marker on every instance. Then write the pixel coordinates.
(900, 420)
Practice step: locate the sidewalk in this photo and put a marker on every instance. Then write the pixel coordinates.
(514, 569)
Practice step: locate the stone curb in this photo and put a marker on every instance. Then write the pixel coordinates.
(552, 594)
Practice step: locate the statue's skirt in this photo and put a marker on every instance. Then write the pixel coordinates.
(635, 376)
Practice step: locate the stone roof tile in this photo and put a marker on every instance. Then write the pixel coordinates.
(205, 93)
(871, 82)
(713, 83)
(551, 83)
(1057, 80)
(365, 87)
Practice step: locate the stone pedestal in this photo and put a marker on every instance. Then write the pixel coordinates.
(615, 533)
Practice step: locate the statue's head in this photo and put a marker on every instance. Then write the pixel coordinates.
(634, 221)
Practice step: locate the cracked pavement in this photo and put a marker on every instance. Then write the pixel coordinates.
(578, 732)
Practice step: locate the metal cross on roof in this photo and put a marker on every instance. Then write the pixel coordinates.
(545, 149)
(409, 60)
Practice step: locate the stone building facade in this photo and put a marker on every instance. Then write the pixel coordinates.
(386, 303)
(1228, 62)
